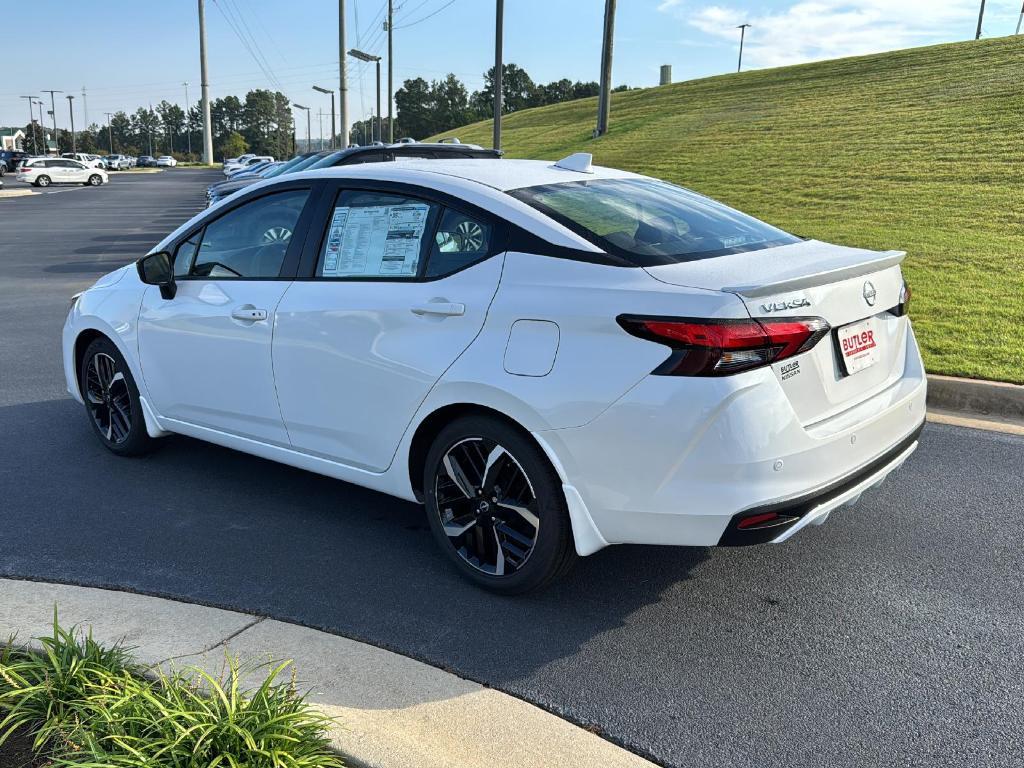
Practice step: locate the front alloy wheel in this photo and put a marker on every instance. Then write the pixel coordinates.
(496, 506)
(112, 400)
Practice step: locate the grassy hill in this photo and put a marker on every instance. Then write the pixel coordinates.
(920, 150)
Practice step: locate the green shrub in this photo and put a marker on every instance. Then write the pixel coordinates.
(91, 706)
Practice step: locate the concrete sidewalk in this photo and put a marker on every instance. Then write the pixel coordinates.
(391, 711)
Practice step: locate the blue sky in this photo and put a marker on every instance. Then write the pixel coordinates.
(157, 49)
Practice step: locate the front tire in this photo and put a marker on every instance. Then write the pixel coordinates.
(112, 400)
(496, 506)
(95, 180)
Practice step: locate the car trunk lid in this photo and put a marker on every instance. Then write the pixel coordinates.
(852, 289)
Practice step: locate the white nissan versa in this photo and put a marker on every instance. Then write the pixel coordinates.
(553, 357)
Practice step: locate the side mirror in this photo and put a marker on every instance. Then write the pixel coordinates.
(156, 269)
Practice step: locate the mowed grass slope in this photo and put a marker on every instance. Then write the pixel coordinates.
(919, 150)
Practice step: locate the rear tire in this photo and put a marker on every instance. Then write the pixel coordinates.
(43, 181)
(95, 180)
(496, 506)
(112, 400)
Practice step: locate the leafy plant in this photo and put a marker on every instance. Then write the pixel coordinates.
(90, 706)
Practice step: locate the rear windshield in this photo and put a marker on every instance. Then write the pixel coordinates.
(650, 222)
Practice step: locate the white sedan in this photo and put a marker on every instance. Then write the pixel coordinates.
(166, 161)
(552, 357)
(42, 172)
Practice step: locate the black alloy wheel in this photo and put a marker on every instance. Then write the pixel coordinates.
(497, 507)
(112, 400)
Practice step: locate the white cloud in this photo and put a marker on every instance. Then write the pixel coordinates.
(812, 30)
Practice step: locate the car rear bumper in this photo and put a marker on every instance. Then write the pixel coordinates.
(682, 461)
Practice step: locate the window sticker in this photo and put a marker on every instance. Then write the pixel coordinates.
(375, 240)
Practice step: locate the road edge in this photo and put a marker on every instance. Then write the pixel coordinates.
(391, 711)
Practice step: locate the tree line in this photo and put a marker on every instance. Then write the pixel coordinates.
(263, 122)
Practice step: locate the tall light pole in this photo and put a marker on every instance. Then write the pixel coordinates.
(32, 123)
(981, 18)
(391, 73)
(308, 139)
(188, 121)
(356, 54)
(204, 84)
(325, 90)
(1020, 20)
(42, 125)
(85, 110)
(743, 34)
(342, 82)
(71, 112)
(53, 113)
(499, 22)
(604, 101)
(110, 132)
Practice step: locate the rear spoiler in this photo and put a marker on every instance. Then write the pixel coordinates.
(881, 261)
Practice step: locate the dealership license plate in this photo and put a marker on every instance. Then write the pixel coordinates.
(858, 345)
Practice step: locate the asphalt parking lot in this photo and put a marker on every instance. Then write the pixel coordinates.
(891, 636)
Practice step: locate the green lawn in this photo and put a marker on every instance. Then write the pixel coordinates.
(919, 150)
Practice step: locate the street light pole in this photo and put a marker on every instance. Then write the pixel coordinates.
(32, 123)
(342, 82)
(981, 18)
(71, 111)
(53, 114)
(499, 19)
(42, 125)
(1020, 20)
(188, 122)
(391, 73)
(110, 132)
(605, 100)
(743, 34)
(205, 85)
(309, 140)
(362, 56)
(325, 90)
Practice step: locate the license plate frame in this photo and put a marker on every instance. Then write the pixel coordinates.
(857, 346)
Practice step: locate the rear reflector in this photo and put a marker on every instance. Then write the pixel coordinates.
(723, 347)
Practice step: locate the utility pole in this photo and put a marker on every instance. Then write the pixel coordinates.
(188, 121)
(85, 110)
(110, 132)
(53, 114)
(743, 34)
(343, 82)
(32, 123)
(391, 73)
(357, 54)
(71, 112)
(320, 122)
(499, 21)
(42, 125)
(604, 101)
(204, 84)
(981, 17)
(1020, 20)
(309, 141)
(344, 143)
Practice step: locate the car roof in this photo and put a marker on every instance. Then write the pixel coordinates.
(498, 174)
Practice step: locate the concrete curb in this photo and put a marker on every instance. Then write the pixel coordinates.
(974, 398)
(16, 193)
(391, 711)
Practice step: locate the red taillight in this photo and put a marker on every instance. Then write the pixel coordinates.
(904, 306)
(722, 347)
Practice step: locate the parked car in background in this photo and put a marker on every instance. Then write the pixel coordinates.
(166, 161)
(133, 160)
(233, 168)
(93, 161)
(117, 163)
(58, 170)
(10, 159)
(146, 161)
(354, 155)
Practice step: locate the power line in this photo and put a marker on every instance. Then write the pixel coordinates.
(428, 16)
(225, 11)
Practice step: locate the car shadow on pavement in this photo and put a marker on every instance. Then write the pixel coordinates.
(209, 525)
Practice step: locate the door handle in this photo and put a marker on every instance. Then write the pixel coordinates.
(249, 313)
(439, 309)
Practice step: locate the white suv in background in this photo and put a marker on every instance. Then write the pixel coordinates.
(234, 166)
(59, 170)
(92, 161)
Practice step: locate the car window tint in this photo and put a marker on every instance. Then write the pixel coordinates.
(252, 240)
(374, 235)
(459, 241)
(185, 255)
(364, 157)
